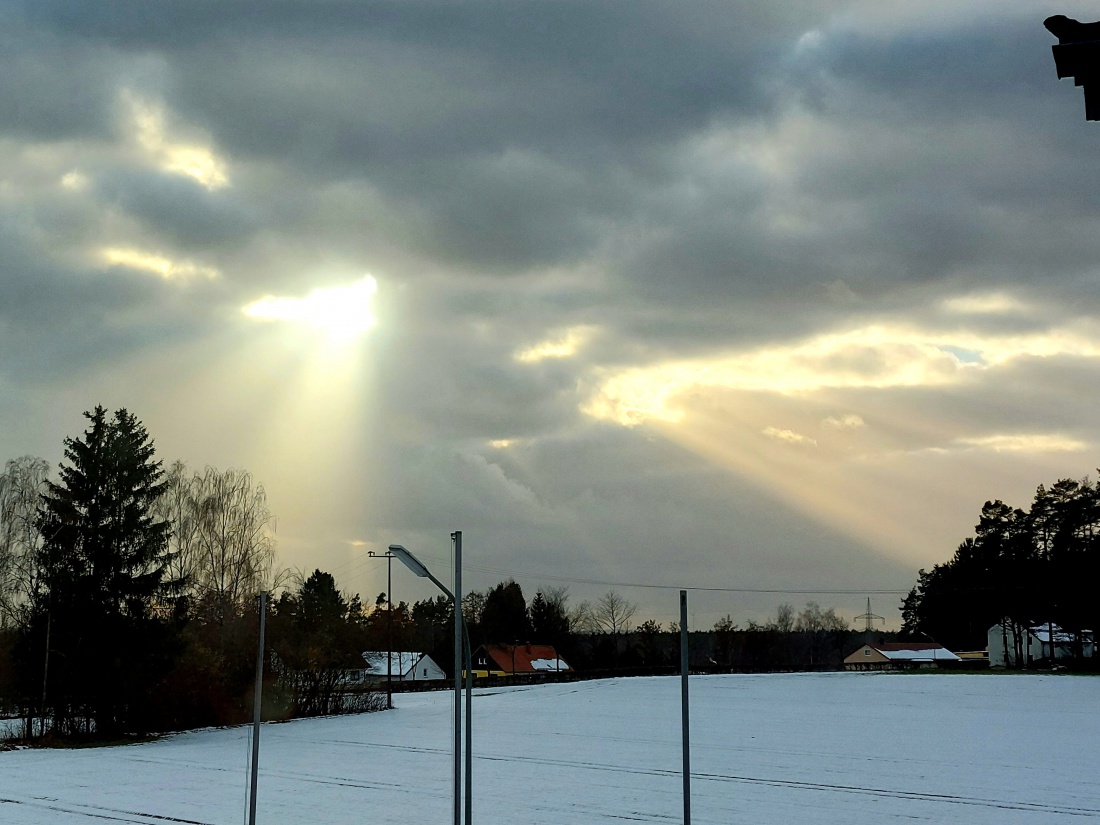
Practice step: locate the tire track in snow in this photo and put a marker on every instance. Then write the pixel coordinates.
(820, 787)
(920, 796)
(99, 811)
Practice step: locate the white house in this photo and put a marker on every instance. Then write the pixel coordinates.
(1002, 643)
(404, 667)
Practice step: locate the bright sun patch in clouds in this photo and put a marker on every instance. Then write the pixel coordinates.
(156, 264)
(341, 311)
(189, 160)
(565, 345)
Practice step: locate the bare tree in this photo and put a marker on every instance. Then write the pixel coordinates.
(223, 538)
(784, 618)
(21, 486)
(612, 613)
(235, 543)
(582, 619)
(177, 507)
(557, 598)
(813, 620)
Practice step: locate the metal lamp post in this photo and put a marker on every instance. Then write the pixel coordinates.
(684, 705)
(461, 653)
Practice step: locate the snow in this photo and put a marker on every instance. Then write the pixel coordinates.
(851, 748)
(925, 655)
(400, 663)
(548, 664)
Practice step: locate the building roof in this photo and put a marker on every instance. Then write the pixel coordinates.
(526, 658)
(915, 652)
(1042, 633)
(401, 662)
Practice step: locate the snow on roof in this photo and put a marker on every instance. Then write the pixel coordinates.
(402, 662)
(549, 664)
(919, 652)
(1042, 633)
(526, 658)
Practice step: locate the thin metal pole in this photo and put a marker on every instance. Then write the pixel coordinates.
(684, 703)
(46, 666)
(469, 727)
(256, 711)
(389, 632)
(456, 539)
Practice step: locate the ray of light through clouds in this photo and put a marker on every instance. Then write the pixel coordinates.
(784, 292)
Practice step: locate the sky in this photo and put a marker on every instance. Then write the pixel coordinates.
(730, 296)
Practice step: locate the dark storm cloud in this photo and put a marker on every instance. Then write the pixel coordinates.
(178, 210)
(53, 89)
(998, 66)
(58, 324)
(511, 132)
(509, 136)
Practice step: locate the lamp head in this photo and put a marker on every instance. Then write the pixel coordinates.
(409, 560)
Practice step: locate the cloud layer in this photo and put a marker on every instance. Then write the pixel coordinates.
(772, 298)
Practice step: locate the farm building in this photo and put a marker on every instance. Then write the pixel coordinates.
(405, 667)
(518, 660)
(899, 656)
(1034, 644)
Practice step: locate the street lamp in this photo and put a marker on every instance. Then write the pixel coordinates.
(461, 654)
(389, 623)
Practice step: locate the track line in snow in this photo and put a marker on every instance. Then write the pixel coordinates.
(99, 811)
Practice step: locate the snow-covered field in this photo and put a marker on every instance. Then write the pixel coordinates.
(777, 748)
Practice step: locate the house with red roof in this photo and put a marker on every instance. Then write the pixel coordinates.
(518, 661)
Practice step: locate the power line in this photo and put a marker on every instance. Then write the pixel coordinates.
(500, 571)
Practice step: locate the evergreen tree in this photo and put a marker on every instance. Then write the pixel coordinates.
(1031, 568)
(549, 623)
(504, 617)
(102, 562)
(317, 641)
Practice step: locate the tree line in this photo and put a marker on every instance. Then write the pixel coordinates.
(1027, 568)
(128, 605)
(124, 587)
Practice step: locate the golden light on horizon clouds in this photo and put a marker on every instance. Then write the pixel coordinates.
(342, 312)
(191, 160)
(788, 417)
(1024, 443)
(879, 356)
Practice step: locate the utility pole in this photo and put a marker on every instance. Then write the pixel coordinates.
(389, 624)
(256, 711)
(684, 716)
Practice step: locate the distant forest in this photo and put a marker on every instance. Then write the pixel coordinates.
(129, 605)
(1031, 568)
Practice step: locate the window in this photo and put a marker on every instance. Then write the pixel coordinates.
(866, 651)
